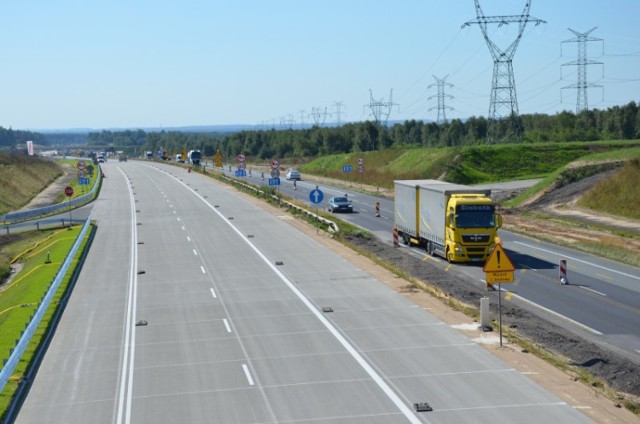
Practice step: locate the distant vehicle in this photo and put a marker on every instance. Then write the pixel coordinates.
(149, 155)
(194, 157)
(179, 158)
(122, 158)
(293, 174)
(339, 204)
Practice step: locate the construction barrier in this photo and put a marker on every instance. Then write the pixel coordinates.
(395, 236)
(563, 272)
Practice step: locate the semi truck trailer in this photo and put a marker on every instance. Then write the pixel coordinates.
(454, 221)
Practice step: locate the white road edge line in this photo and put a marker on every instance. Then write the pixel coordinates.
(344, 342)
(226, 325)
(126, 380)
(248, 374)
(579, 260)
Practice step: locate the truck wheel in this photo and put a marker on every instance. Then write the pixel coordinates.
(430, 248)
(405, 239)
(448, 255)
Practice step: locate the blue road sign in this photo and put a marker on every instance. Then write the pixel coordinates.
(347, 168)
(274, 181)
(240, 173)
(316, 196)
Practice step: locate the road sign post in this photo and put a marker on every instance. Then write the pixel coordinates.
(316, 196)
(68, 190)
(499, 269)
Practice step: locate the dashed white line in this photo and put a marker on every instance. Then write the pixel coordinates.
(188, 239)
(580, 260)
(195, 252)
(202, 269)
(226, 325)
(183, 229)
(214, 294)
(248, 374)
(592, 291)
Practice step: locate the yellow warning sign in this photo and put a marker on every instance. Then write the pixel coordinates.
(500, 277)
(498, 261)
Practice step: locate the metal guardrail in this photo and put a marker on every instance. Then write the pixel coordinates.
(16, 354)
(33, 213)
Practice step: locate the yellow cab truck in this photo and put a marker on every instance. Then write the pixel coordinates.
(454, 221)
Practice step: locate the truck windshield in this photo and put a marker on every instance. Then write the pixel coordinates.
(475, 216)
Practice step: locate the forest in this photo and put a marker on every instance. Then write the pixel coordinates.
(615, 123)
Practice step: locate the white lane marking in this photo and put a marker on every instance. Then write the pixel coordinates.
(188, 238)
(579, 324)
(248, 374)
(202, 269)
(213, 293)
(175, 213)
(226, 325)
(183, 229)
(126, 380)
(592, 291)
(195, 252)
(341, 339)
(580, 260)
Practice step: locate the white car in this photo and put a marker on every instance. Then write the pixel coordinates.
(293, 174)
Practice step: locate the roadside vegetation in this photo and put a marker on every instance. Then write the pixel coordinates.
(22, 177)
(37, 256)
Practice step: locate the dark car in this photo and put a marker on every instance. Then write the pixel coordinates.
(339, 204)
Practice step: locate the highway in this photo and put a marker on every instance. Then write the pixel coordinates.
(196, 305)
(601, 301)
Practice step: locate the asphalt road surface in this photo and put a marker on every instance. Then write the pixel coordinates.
(601, 301)
(197, 306)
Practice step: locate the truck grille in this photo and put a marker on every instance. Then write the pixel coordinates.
(476, 238)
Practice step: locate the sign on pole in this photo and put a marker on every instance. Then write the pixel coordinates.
(316, 196)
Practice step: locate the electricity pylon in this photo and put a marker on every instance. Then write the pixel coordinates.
(319, 117)
(380, 109)
(504, 102)
(441, 83)
(338, 106)
(581, 63)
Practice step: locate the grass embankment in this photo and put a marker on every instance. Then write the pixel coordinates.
(617, 195)
(465, 165)
(20, 297)
(22, 177)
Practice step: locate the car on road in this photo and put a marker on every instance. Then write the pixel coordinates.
(340, 204)
(293, 174)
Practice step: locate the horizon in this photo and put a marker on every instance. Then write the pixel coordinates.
(117, 65)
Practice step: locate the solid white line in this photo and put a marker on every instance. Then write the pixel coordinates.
(226, 325)
(202, 269)
(579, 324)
(213, 293)
(126, 382)
(579, 260)
(246, 372)
(592, 290)
(195, 252)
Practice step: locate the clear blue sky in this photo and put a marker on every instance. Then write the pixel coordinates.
(148, 63)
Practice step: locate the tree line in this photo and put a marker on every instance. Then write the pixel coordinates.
(615, 123)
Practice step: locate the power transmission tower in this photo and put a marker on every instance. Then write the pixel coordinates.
(504, 102)
(380, 109)
(319, 116)
(338, 106)
(581, 63)
(302, 111)
(441, 83)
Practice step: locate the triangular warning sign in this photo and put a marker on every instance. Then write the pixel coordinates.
(498, 261)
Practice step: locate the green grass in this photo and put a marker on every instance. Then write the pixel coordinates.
(19, 299)
(467, 165)
(617, 195)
